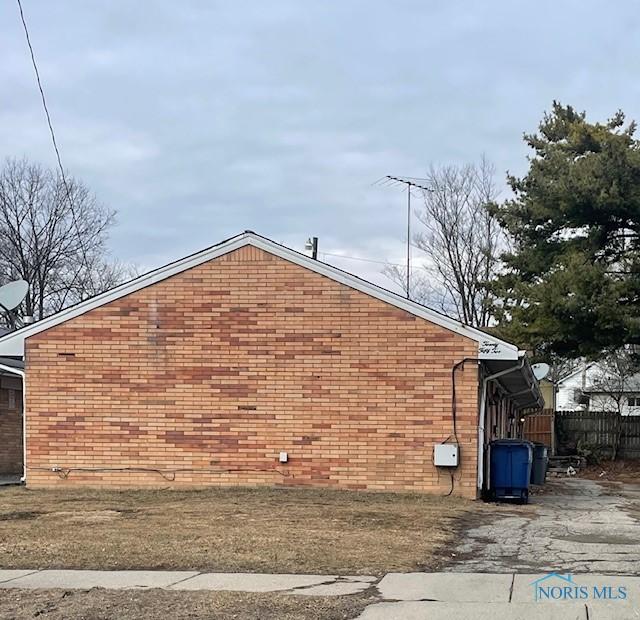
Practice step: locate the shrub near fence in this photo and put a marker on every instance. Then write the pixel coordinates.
(595, 432)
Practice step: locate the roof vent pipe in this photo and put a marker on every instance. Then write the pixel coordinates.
(312, 246)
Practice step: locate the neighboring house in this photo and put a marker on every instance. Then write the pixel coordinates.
(11, 422)
(548, 391)
(250, 363)
(583, 390)
(11, 444)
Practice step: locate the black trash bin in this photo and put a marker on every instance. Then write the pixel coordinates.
(540, 463)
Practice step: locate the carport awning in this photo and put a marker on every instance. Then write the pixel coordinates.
(13, 362)
(520, 384)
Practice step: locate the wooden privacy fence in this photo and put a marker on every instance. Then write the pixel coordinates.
(597, 431)
(539, 427)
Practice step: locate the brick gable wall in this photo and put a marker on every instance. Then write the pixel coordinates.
(207, 376)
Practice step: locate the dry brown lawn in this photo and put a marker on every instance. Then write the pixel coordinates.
(225, 529)
(100, 604)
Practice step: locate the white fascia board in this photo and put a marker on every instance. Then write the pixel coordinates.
(489, 347)
(494, 349)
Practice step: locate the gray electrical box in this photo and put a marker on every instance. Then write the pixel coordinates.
(445, 455)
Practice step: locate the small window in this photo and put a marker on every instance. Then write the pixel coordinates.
(580, 398)
(12, 399)
(633, 401)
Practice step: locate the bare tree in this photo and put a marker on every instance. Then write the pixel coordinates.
(561, 367)
(460, 239)
(58, 249)
(421, 287)
(99, 277)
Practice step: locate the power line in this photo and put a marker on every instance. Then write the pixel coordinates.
(53, 136)
(368, 260)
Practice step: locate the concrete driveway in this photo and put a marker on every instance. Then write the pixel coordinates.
(575, 526)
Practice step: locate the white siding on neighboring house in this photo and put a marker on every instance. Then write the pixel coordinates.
(566, 393)
(576, 389)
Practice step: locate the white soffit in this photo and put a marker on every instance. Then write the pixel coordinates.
(489, 347)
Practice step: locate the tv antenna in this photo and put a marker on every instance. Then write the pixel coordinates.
(409, 182)
(11, 296)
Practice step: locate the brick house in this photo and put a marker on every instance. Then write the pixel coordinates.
(250, 363)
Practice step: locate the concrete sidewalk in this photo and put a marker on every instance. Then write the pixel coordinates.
(482, 596)
(310, 585)
(405, 596)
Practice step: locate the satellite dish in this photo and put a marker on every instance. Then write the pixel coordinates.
(540, 371)
(12, 294)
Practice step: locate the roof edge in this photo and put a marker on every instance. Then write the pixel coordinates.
(489, 347)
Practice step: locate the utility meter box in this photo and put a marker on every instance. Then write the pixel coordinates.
(445, 455)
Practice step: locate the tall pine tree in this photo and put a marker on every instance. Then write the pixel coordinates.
(572, 283)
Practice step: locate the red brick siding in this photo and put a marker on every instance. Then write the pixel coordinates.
(216, 370)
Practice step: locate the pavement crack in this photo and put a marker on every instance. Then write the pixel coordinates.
(555, 532)
(21, 576)
(307, 586)
(182, 580)
(513, 580)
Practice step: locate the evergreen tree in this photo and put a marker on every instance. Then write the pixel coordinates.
(571, 285)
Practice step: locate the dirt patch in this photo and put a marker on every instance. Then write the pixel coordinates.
(99, 604)
(622, 470)
(89, 516)
(239, 529)
(19, 515)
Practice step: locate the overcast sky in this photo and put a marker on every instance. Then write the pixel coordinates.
(197, 120)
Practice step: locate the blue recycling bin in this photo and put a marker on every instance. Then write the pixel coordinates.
(510, 462)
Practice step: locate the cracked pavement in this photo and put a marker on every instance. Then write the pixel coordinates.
(576, 526)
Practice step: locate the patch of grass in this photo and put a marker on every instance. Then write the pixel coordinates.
(99, 604)
(225, 529)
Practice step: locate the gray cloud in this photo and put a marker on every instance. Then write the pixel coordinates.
(197, 120)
